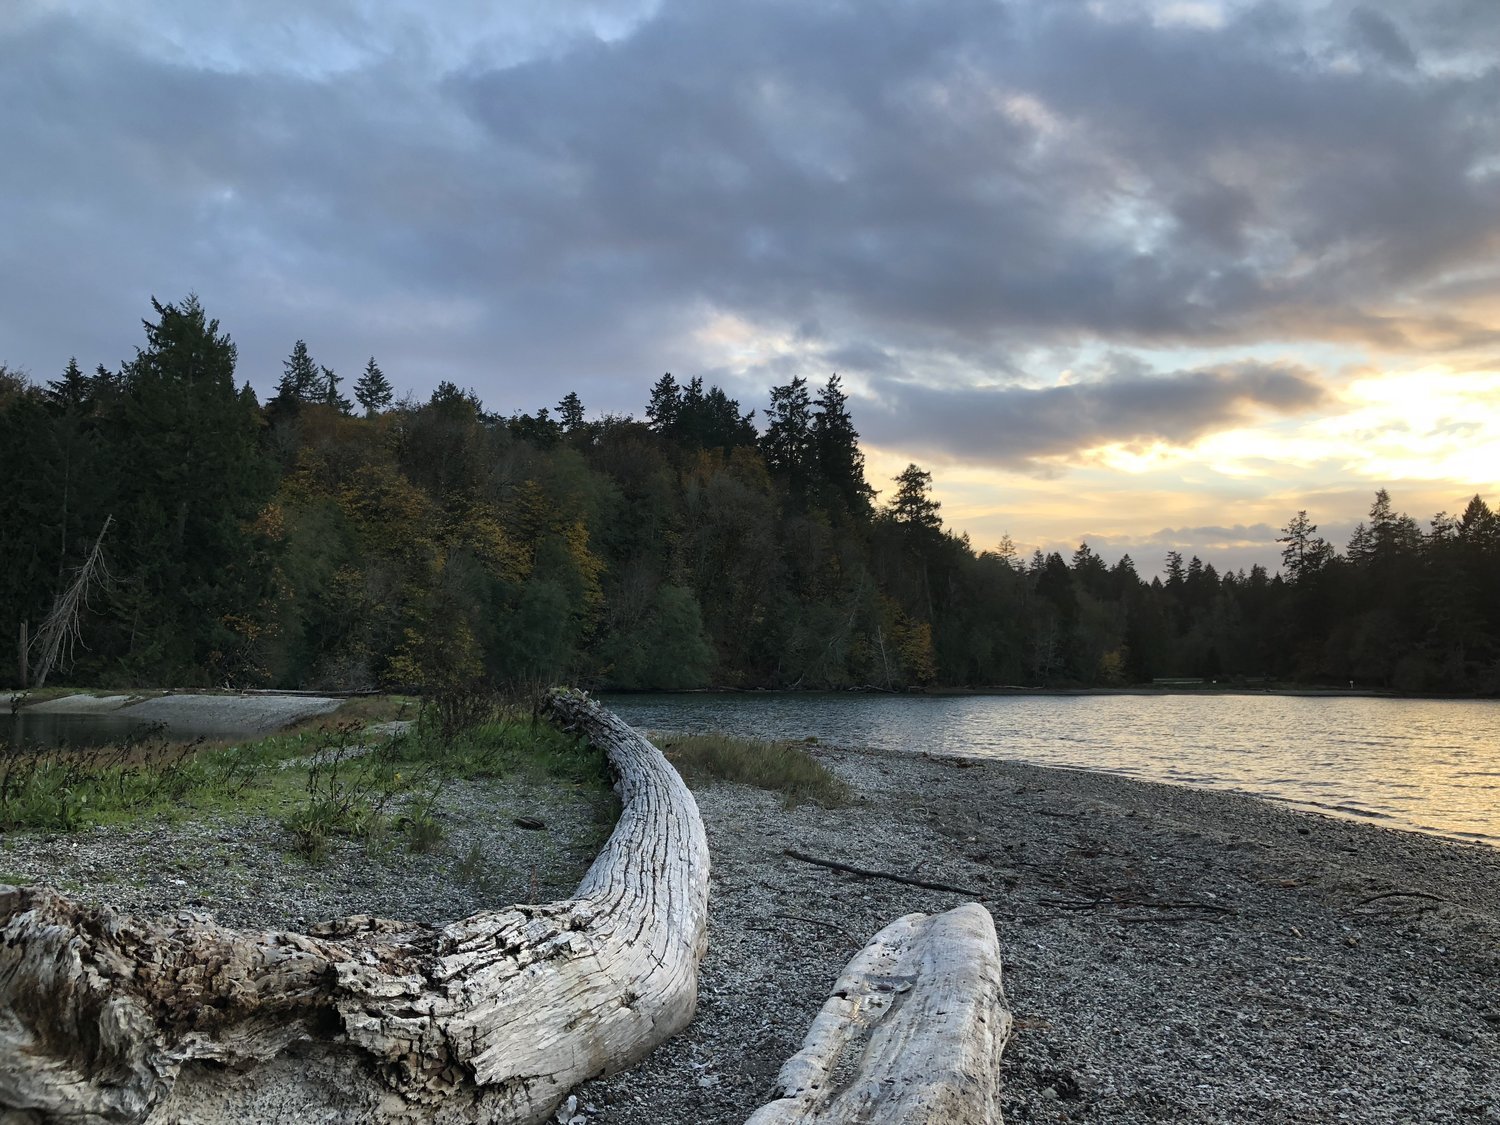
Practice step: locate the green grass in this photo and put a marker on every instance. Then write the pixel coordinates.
(363, 709)
(777, 766)
(316, 780)
(66, 790)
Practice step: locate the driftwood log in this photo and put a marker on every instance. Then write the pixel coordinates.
(912, 1033)
(106, 1018)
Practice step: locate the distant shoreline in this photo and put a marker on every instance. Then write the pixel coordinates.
(1006, 690)
(53, 697)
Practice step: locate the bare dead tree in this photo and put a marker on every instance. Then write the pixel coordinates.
(58, 637)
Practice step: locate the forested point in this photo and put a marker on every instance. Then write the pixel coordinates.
(167, 528)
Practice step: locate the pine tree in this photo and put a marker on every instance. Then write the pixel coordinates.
(713, 420)
(1175, 576)
(570, 412)
(1304, 552)
(913, 506)
(73, 392)
(193, 476)
(665, 405)
(300, 381)
(841, 464)
(373, 390)
(787, 444)
(329, 391)
(448, 398)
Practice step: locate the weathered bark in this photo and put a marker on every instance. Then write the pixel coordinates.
(106, 1018)
(912, 1033)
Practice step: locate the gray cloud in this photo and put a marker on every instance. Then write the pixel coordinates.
(1239, 533)
(1016, 427)
(889, 184)
(1375, 32)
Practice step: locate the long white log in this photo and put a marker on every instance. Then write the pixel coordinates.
(911, 1035)
(110, 1019)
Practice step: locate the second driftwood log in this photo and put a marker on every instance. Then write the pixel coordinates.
(912, 1033)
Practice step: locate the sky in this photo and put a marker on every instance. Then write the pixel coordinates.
(1154, 275)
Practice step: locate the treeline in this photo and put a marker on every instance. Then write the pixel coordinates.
(324, 542)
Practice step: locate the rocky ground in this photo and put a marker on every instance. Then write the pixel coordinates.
(1171, 955)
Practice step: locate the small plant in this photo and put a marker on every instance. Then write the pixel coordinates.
(474, 868)
(455, 709)
(423, 832)
(347, 793)
(778, 766)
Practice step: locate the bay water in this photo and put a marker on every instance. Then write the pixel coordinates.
(1418, 764)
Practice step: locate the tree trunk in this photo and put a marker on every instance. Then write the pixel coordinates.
(23, 643)
(106, 1018)
(911, 1035)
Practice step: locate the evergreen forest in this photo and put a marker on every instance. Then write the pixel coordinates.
(336, 537)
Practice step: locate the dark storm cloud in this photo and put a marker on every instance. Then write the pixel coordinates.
(1378, 34)
(1016, 427)
(874, 182)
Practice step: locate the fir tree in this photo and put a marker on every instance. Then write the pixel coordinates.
(913, 506)
(1175, 575)
(787, 444)
(73, 392)
(1305, 551)
(300, 381)
(713, 420)
(570, 412)
(666, 404)
(329, 393)
(373, 390)
(193, 476)
(841, 464)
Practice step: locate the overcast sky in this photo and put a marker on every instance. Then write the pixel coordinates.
(1152, 274)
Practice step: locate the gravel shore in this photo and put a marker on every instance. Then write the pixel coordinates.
(1170, 954)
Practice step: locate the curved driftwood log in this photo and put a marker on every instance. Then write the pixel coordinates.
(912, 1034)
(107, 1018)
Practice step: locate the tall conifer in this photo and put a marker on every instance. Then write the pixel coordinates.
(373, 389)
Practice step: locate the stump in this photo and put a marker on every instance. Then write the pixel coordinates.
(911, 1035)
(106, 1018)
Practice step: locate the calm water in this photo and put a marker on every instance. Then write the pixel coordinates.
(46, 729)
(1424, 765)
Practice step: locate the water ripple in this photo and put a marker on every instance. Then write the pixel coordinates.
(1423, 765)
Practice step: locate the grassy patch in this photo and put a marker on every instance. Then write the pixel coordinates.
(365, 710)
(358, 793)
(778, 766)
(64, 790)
(321, 782)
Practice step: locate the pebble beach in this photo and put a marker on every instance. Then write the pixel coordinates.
(1170, 954)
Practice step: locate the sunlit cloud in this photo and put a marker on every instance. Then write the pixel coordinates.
(1427, 425)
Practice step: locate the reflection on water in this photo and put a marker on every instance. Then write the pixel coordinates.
(46, 729)
(1424, 765)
